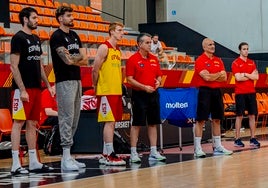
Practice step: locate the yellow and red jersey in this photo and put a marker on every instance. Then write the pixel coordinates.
(110, 74)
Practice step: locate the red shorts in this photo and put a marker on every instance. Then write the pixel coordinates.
(109, 108)
(22, 110)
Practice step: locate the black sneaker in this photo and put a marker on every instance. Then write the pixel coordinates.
(254, 142)
(239, 143)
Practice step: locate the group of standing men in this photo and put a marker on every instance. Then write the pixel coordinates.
(210, 76)
(144, 76)
(67, 55)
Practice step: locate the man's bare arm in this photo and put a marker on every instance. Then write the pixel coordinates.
(64, 55)
(81, 59)
(246, 76)
(135, 83)
(99, 59)
(209, 76)
(240, 77)
(222, 77)
(78, 60)
(252, 76)
(51, 112)
(14, 61)
(44, 76)
(14, 66)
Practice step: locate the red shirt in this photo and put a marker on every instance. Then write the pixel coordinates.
(47, 102)
(241, 66)
(212, 65)
(143, 70)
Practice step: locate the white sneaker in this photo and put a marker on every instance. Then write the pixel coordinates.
(156, 157)
(79, 164)
(134, 158)
(222, 151)
(68, 165)
(102, 159)
(199, 153)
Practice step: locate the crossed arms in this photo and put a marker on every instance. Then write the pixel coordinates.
(78, 60)
(219, 76)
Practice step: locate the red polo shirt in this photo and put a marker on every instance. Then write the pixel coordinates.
(241, 66)
(212, 65)
(143, 70)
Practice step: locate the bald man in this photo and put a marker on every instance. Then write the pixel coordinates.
(209, 78)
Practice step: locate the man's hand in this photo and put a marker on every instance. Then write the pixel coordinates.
(149, 89)
(24, 96)
(51, 91)
(157, 83)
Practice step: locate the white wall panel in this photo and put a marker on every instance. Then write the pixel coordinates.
(226, 21)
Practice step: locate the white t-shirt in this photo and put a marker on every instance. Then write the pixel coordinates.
(155, 47)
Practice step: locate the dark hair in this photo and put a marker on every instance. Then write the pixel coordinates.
(26, 12)
(155, 35)
(61, 11)
(141, 35)
(242, 44)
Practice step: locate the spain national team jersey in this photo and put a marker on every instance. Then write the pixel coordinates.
(110, 74)
(212, 65)
(241, 66)
(144, 70)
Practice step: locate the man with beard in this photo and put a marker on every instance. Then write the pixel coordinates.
(67, 55)
(26, 84)
(156, 47)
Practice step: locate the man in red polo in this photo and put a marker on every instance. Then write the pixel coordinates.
(245, 72)
(144, 75)
(209, 77)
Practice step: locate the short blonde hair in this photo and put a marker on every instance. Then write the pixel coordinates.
(113, 25)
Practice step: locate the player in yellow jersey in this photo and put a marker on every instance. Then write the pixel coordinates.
(107, 81)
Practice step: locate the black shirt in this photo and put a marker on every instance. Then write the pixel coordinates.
(70, 41)
(29, 49)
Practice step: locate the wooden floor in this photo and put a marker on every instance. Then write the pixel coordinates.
(245, 168)
(242, 169)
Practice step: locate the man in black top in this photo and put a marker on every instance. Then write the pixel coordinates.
(67, 55)
(27, 74)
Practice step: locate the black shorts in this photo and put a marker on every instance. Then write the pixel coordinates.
(246, 102)
(209, 102)
(146, 108)
(51, 120)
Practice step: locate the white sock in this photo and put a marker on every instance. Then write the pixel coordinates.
(15, 160)
(197, 143)
(104, 151)
(153, 150)
(109, 148)
(133, 150)
(66, 153)
(216, 141)
(33, 161)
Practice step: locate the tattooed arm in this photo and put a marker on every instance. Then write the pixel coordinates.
(78, 60)
(81, 59)
(64, 55)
